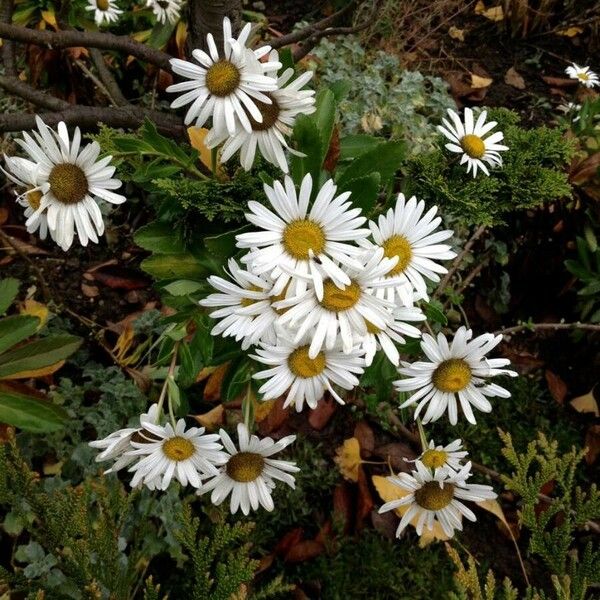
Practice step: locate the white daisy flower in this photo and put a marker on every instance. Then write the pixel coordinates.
(165, 11)
(571, 108)
(468, 139)
(436, 496)
(287, 102)
(105, 11)
(224, 86)
(406, 233)
(448, 457)
(249, 473)
(386, 339)
(305, 379)
(349, 311)
(24, 173)
(189, 456)
(115, 445)
(246, 307)
(457, 370)
(70, 181)
(584, 75)
(296, 241)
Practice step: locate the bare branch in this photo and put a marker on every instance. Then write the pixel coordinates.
(547, 327)
(129, 117)
(106, 77)
(8, 48)
(19, 88)
(314, 39)
(89, 39)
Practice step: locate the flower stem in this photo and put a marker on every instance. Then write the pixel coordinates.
(163, 391)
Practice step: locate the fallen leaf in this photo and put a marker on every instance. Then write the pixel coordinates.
(290, 539)
(480, 82)
(342, 505)
(364, 500)
(365, 436)
(197, 136)
(89, 291)
(333, 153)
(585, 170)
(52, 468)
(120, 278)
(213, 418)
(212, 389)
(275, 419)
(495, 13)
(180, 38)
(304, 550)
(493, 506)
(49, 17)
(396, 455)
(320, 416)
(348, 459)
(456, 34)
(560, 81)
(262, 409)
(586, 403)
(570, 32)
(35, 309)
(514, 79)
(388, 492)
(557, 387)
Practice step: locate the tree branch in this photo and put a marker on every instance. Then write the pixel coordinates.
(206, 16)
(8, 48)
(19, 88)
(129, 117)
(314, 39)
(106, 77)
(547, 327)
(89, 39)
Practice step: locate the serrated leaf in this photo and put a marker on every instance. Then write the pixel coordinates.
(29, 412)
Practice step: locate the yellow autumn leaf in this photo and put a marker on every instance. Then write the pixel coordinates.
(388, 491)
(33, 308)
(197, 136)
(478, 82)
(495, 13)
(124, 343)
(211, 419)
(212, 389)
(205, 373)
(262, 409)
(181, 34)
(570, 32)
(348, 458)
(32, 373)
(586, 403)
(456, 34)
(49, 17)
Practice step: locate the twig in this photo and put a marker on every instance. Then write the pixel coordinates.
(8, 48)
(7, 239)
(128, 117)
(99, 84)
(458, 260)
(107, 78)
(546, 327)
(314, 39)
(89, 39)
(22, 89)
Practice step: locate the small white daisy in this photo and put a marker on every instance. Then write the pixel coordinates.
(406, 233)
(468, 139)
(70, 181)
(105, 11)
(456, 370)
(346, 312)
(224, 86)
(115, 446)
(246, 307)
(287, 102)
(166, 11)
(386, 339)
(296, 241)
(584, 75)
(436, 496)
(189, 456)
(249, 473)
(305, 379)
(448, 457)
(570, 108)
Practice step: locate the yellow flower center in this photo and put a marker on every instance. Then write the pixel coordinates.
(34, 199)
(473, 145)
(269, 112)
(452, 375)
(301, 365)
(399, 246)
(337, 300)
(245, 466)
(583, 76)
(301, 236)
(250, 301)
(372, 328)
(68, 183)
(433, 497)
(102, 4)
(434, 458)
(178, 448)
(222, 78)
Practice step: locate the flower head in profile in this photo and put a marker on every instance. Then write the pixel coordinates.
(298, 244)
(269, 136)
(67, 181)
(224, 85)
(456, 375)
(188, 455)
(448, 458)
(105, 11)
(469, 139)
(249, 473)
(166, 11)
(571, 109)
(413, 237)
(436, 496)
(584, 75)
(304, 379)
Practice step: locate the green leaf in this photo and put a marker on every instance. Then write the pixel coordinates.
(174, 266)
(38, 354)
(308, 141)
(183, 287)
(324, 118)
(433, 312)
(21, 409)
(15, 329)
(9, 288)
(286, 58)
(385, 159)
(364, 191)
(340, 89)
(238, 377)
(353, 146)
(223, 245)
(159, 237)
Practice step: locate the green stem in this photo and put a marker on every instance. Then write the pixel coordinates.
(422, 436)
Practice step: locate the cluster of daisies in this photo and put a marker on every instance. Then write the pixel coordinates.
(107, 12)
